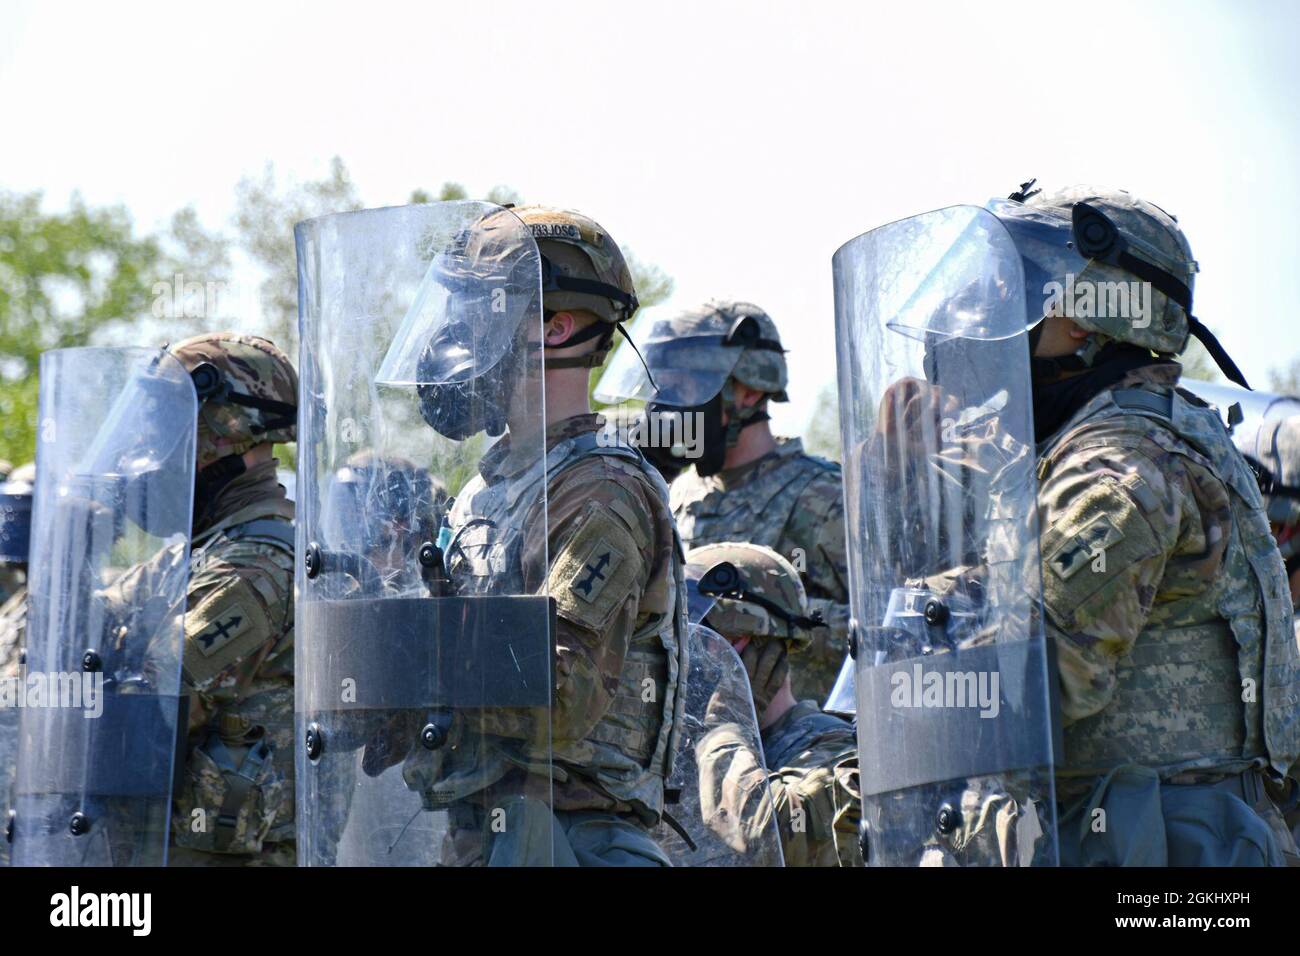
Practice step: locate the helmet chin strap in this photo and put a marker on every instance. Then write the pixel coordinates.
(739, 418)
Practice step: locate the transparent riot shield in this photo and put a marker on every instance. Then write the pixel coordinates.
(720, 810)
(955, 691)
(1254, 408)
(102, 720)
(424, 645)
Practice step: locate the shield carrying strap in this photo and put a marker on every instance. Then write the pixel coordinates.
(240, 781)
(1139, 400)
(280, 534)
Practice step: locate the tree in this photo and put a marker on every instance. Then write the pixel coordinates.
(265, 214)
(1286, 379)
(66, 279)
(822, 434)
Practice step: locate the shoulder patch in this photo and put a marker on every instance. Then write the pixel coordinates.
(600, 564)
(223, 629)
(596, 571)
(1081, 548)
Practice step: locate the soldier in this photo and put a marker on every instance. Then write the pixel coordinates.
(762, 610)
(719, 366)
(1163, 593)
(15, 528)
(554, 507)
(235, 805)
(1276, 459)
(1138, 476)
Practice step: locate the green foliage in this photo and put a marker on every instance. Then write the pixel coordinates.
(265, 214)
(822, 434)
(1286, 379)
(66, 279)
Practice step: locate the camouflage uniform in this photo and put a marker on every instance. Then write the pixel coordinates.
(792, 503)
(811, 785)
(1166, 598)
(235, 805)
(13, 620)
(611, 560)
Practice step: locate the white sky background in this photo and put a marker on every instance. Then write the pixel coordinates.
(734, 145)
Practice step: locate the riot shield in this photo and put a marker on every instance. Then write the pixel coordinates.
(1255, 407)
(101, 719)
(720, 810)
(955, 691)
(424, 649)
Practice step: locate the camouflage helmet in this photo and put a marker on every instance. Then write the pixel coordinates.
(1153, 238)
(248, 392)
(755, 592)
(1277, 450)
(582, 266)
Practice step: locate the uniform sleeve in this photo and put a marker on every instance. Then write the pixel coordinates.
(817, 529)
(601, 554)
(239, 605)
(1108, 521)
(736, 801)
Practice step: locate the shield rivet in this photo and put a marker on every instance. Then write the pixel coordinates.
(91, 662)
(433, 736)
(935, 612)
(947, 818)
(79, 824)
(315, 741)
(311, 562)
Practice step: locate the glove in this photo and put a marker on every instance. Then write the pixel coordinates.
(767, 664)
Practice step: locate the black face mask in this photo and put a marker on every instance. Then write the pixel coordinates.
(1056, 401)
(713, 442)
(209, 483)
(459, 409)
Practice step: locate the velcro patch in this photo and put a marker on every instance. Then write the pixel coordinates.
(1080, 549)
(597, 569)
(222, 631)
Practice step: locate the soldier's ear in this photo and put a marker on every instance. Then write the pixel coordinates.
(747, 397)
(559, 328)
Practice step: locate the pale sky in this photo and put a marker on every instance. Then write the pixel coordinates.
(735, 145)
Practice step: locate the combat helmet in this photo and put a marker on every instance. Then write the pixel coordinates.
(1103, 242)
(738, 589)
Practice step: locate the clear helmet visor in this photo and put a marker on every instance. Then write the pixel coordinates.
(688, 370)
(472, 303)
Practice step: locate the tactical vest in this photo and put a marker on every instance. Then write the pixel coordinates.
(629, 753)
(756, 511)
(1199, 674)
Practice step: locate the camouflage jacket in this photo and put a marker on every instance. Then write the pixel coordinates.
(811, 789)
(1164, 591)
(237, 670)
(792, 503)
(611, 560)
(13, 624)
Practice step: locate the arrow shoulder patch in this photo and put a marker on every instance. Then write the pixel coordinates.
(223, 628)
(597, 569)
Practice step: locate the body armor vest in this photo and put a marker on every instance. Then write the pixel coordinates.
(1224, 686)
(629, 753)
(756, 511)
